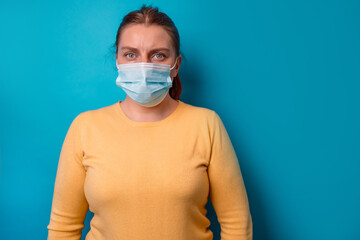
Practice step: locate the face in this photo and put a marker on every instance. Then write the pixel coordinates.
(140, 43)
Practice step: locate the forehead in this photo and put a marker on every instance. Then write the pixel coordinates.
(145, 37)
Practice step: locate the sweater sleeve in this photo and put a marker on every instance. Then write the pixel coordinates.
(227, 191)
(69, 205)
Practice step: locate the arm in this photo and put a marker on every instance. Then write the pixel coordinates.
(69, 205)
(227, 191)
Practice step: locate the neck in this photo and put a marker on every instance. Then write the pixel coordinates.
(140, 113)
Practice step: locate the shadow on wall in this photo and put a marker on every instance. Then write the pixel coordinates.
(256, 200)
(88, 218)
(192, 82)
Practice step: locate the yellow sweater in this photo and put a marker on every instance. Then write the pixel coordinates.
(148, 180)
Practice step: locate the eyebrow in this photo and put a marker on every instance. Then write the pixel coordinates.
(151, 51)
(129, 48)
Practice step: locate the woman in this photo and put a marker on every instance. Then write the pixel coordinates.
(145, 166)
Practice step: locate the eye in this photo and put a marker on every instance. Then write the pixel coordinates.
(129, 55)
(159, 56)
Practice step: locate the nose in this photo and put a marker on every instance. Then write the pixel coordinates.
(145, 59)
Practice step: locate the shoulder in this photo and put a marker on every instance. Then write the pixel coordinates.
(97, 115)
(202, 113)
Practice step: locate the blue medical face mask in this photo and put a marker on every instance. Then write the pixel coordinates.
(145, 83)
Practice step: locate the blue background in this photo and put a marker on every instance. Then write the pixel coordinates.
(284, 76)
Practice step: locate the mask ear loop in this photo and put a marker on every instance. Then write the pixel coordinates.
(174, 63)
(174, 66)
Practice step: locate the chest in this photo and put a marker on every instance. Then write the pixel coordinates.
(145, 164)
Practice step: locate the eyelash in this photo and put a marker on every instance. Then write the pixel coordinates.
(126, 54)
(162, 55)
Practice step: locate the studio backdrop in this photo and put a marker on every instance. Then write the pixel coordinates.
(284, 76)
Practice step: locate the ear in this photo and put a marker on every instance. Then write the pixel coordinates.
(175, 71)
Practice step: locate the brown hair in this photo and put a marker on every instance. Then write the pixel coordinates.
(148, 16)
